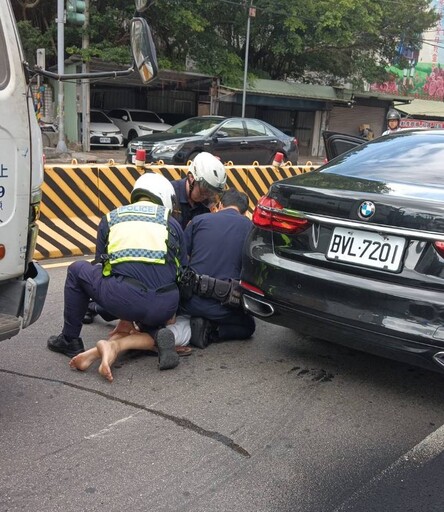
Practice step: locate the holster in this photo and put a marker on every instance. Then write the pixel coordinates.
(234, 296)
(187, 283)
(226, 292)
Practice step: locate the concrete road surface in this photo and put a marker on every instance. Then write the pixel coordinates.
(276, 423)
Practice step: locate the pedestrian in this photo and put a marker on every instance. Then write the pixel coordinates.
(206, 178)
(142, 249)
(393, 122)
(214, 245)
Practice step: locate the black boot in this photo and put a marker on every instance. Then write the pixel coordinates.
(90, 313)
(200, 332)
(68, 346)
(166, 349)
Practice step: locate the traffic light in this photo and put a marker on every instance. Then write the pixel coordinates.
(75, 10)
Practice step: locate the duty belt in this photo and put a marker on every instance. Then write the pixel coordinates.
(141, 286)
(226, 292)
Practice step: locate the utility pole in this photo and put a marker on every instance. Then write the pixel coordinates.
(61, 145)
(85, 84)
(251, 14)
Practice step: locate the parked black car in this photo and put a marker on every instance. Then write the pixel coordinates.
(235, 139)
(354, 252)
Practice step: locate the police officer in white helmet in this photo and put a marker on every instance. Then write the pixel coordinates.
(206, 178)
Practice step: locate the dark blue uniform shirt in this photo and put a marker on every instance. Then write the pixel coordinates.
(215, 241)
(153, 275)
(187, 212)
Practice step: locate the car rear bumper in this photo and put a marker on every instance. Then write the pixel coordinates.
(399, 322)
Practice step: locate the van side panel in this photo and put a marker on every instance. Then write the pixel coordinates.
(23, 283)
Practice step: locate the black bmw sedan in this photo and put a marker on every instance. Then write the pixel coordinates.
(354, 251)
(239, 140)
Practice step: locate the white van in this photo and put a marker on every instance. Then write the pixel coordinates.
(23, 283)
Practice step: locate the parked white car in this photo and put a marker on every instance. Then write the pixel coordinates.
(134, 122)
(103, 132)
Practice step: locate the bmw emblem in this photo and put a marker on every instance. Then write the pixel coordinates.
(366, 210)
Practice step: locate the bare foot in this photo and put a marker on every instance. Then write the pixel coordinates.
(108, 352)
(84, 360)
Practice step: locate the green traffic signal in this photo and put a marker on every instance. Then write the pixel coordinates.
(75, 12)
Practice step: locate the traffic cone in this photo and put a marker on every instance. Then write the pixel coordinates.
(278, 159)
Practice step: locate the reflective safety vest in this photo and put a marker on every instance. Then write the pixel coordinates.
(137, 232)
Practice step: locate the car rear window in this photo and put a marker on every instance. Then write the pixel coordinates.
(408, 157)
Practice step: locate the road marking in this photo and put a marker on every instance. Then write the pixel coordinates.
(111, 426)
(61, 264)
(425, 451)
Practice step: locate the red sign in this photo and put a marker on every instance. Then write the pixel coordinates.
(420, 123)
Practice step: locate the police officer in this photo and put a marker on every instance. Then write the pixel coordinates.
(214, 244)
(206, 177)
(393, 121)
(142, 248)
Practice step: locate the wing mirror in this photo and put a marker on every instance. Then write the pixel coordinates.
(144, 51)
(220, 135)
(144, 54)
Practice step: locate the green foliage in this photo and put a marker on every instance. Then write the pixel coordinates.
(337, 40)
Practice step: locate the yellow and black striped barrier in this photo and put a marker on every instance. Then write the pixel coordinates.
(75, 197)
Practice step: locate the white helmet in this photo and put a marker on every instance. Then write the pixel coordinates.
(155, 188)
(209, 172)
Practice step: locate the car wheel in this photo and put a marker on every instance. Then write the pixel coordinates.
(131, 135)
(192, 155)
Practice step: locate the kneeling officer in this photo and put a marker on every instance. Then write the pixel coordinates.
(142, 248)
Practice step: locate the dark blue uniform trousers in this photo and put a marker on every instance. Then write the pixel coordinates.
(122, 299)
(233, 323)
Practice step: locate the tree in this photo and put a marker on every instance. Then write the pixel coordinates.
(334, 40)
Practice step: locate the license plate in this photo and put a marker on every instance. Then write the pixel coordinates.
(105, 140)
(367, 249)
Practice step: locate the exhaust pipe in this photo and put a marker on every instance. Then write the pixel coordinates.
(439, 358)
(259, 307)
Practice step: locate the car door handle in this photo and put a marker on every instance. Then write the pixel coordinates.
(273, 141)
(243, 143)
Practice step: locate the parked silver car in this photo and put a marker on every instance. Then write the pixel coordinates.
(103, 132)
(134, 123)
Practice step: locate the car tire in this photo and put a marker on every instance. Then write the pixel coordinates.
(131, 135)
(192, 156)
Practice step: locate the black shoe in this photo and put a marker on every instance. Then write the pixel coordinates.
(90, 314)
(200, 332)
(166, 349)
(69, 347)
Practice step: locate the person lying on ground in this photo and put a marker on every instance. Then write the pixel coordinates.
(125, 337)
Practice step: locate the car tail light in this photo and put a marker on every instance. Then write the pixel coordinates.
(439, 246)
(251, 288)
(295, 140)
(270, 214)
